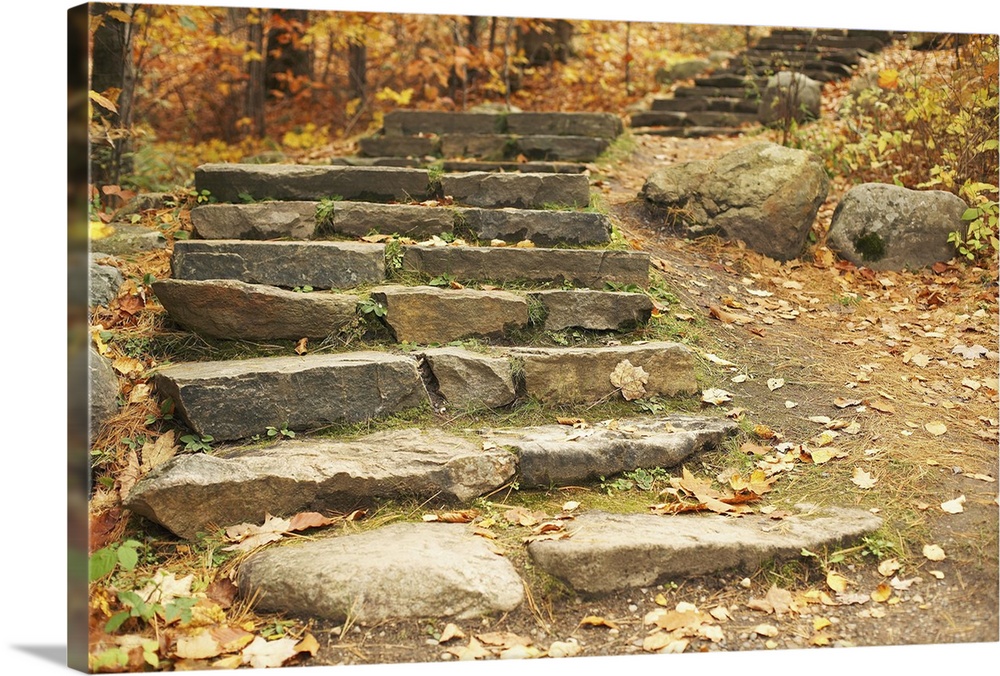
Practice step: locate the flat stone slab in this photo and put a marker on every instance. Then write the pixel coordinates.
(229, 182)
(358, 219)
(399, 146)
(564, 148)
(412, 122)
(522, 191)
(427, 314)
(608, 552)
(264, 220)
(239, 398)
(129, 239)
(234, 310)
(591, 268)
(404, 570)
(482, 146)
(544, 228)
(193, 491)
(598, 125)
(470, 380)
(526, 167)
(560, 454)
(321, 265)
(594, 310)
(583, 374)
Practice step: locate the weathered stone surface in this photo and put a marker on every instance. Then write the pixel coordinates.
(470, 379)
(239, 398)
(790, 96)
(105, 280)
(617, 551)
(263, 220)
(321, 265)
(410, 122)
(596, 310)
(230, 309)
(544, 228)
(887, 227)
(598, 125)
(484, 146)
(405, 570)
(128, 239)
(525, 167)
(560, 455)
(103, 390)
(763, 194)
(565, 148)
(241, 485)
(682, 70)
(583, 374)
(358, 219)
(590, 268)
(522, 191)
(399, 146)
(427, 314)
(659, 118)
(226, 182)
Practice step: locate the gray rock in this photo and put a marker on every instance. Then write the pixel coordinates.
(318, 474)
(560, 148)
(405, 570)
(597, 125)
(230, 309)
(470, 380)
(105, 280)
(399, 146)
(608, 552)
(887, 227)
(592, 268)
(561, 455)
(483, 146)
(103, 391)
(763, 194)
(526, 167)
(684, 69)
(790, 96)
(522, 191)
(227, 182)
(410, 122)
(240, 398)
(129, 239)
(427, 314)
(264, 220)
(358, 219)
(544, 228)
(595, 310)
(321, 265)
(583, 374)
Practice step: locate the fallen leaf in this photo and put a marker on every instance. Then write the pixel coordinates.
(766, 630)
(862, 479)
(791, 404)
(974, 352)
(937, 574)
(572, 422)
(449, 632)
(717, 360)
(820, 623)
(473, 651)
(881, 407)
(716, 396)
(301, 346)
(954, 506)
(459, 516)
(200, 646)
(841, 402)
(630, 380)
(570, 505)
(563, 649)
(936, 428)
(775, 383)
(934, 553)
(764, 432)
(503, 639)
(155, 453)
(305, 520)
(739, 378)
(595, 621)
(250, 536)
(881, 593)
(836, 581)
(888, 567)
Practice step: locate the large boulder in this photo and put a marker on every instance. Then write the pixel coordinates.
(887, 227)
(103, 391)
(790, 96)
(763, 194)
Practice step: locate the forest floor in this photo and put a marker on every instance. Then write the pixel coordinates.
(891, 352)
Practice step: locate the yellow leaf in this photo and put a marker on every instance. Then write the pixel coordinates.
(936, 428)
(103, 102)
(301, 346)
(820, 623)
(98, 230)
(881, 593)
(888, 78)
(661, 600)
(862, 479)
(837, 582)
(934, 553)
(120, 15)
(888, 567)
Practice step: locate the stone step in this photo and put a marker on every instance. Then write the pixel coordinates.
(609, 552)
(413, 122)
(692, 103)
(740, 92)
(234, 310)
(521, 191)
(688, 132)
(589, 268)
(705, 118)
(847, 57)
(243, 484)
(298, 220)
(535, 147)
(356, 161)
(238, 182)
(732, 80)
(237, 399)
(321, 265)
(399, 146)
(592, 310)
(524, 167)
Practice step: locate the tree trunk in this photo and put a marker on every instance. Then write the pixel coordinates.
(113, 69)
(255, 72)
(286, 56)
(357, 66)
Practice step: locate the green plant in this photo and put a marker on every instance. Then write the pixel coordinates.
(324, 211)
(274, 432)
(202, 196)
(371, 307)
(393, 256)
(166, 412)
(302, 289)
(119, 556)
(878, 546)
(980, 240)
(194, 442)
(444, 280)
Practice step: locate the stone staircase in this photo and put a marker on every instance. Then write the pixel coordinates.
(727, 101)
(310, 254)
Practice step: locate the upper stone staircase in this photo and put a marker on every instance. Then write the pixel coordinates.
(728, 99)
(401, 268)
